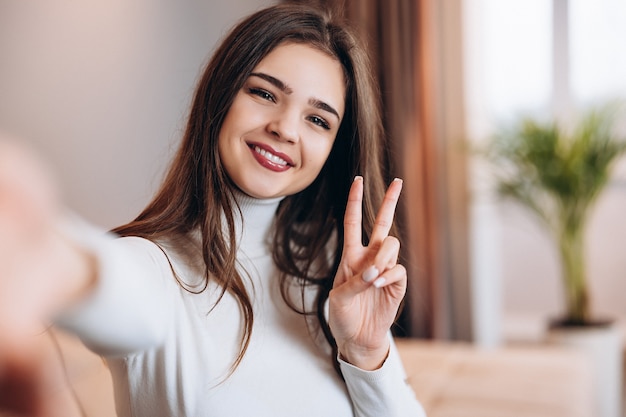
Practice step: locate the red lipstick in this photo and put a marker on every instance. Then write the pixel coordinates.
(269, 158)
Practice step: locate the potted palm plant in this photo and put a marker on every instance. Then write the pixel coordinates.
(558, 175)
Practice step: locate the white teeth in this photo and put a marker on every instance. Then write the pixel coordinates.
(275, 159)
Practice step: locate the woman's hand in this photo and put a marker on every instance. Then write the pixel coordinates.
(41, 271)
(27, 207)
(370, 284)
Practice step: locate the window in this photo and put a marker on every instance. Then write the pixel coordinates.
(542, 58)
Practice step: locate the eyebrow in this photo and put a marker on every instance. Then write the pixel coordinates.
(318, 104)
(274, 81)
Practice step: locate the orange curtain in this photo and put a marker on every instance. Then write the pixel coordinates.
(403, 42)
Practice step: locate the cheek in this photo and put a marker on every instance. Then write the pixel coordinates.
(222, 142)
(239, 116)
(233, 126)
(318, 154)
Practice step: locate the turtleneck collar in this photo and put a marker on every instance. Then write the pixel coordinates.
(253, 227)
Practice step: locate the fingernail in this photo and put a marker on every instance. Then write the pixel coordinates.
(358, 177)
(379, 282)
(370, 273)
(398, 179)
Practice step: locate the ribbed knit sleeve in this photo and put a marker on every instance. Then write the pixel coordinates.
(382, 392)
(127, 310)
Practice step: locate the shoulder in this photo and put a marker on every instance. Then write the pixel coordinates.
(177, 258)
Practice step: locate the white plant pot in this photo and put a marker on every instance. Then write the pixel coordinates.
(603, 347)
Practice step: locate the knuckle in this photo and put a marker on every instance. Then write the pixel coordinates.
(384, 223)
(351, 222)
(398, 269)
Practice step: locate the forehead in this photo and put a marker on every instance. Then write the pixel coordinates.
(307, 71)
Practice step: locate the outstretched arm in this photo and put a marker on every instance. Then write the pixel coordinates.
(54, 267)
(41, 270)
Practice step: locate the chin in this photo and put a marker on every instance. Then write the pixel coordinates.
(261, 194)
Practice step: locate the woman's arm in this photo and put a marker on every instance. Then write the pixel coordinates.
(127, 309)
(41, 269)
(111, 292)
(383, 392)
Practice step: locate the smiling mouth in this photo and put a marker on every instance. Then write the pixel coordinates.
(270, 156)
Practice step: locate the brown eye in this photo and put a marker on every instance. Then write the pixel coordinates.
(320, 122)
(264, 94)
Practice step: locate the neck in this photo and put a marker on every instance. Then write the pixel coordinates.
(253, 227)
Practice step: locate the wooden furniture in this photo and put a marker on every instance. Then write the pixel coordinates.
(461, 380)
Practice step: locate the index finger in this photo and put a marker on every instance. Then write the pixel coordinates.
(352, 220)
(384, 218)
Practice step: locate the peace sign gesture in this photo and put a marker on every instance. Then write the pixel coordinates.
(369, 284)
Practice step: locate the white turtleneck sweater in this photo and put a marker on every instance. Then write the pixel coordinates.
(170, 351)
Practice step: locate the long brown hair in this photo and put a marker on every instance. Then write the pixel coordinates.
(198, 195)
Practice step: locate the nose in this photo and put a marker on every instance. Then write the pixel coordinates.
(284, 125)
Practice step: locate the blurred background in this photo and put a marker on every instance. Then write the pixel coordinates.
(543, 58)
(102, 88)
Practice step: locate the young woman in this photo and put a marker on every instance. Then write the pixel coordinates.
(262, 278)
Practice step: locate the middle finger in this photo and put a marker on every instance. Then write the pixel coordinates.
(384, 218)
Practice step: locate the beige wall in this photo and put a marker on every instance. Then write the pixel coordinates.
(101, 88)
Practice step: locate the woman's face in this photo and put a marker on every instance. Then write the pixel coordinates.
(282, 124)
